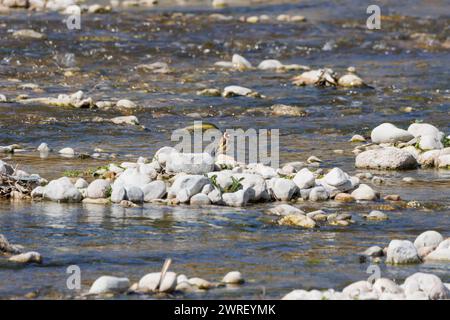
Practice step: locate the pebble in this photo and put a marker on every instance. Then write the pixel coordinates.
(376, 215)
(108, 284)
(28, 34)
(297, 220)
(126, 104)
(364, 192)
(150, 282)
(67, 152)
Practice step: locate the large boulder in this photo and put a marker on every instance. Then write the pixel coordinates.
(402, 252)
(386, 158)
(62, 190)
(190, 163)
(388, 133)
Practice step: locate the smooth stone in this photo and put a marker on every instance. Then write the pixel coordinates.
(81, 183)
(108, 284)
(6, 247)
(364, 192)
(118, 194)
(430, 142)
(131, 120)
(200, 199)
(187, 186)
(67, 151)
(357, 138)
(237, 199)
(270, 64)
(401, 252)
(163, 154)
(43, 148)
(95, 201)
(231, 91)
(318, 194)
(126, 104)
(215, 196)
(304, 179)
(388, 133)
(429, 238)
(27, 257)
(133, 177)
(256, 185)
(425, 129)
(376, 215)
(98, 188)
(374, 251)
(233, 277)
(28, 33)
(150, 282)
(63, 190)
(438, 255)
(284, 189)
(201, 283)
(297, 220)
(354, 290)
(285, 209)
(303, 295)
(154, 190)
(384, 285)
(134, 194)
(350, 80)
(336, 177)
(240, 62)
(428, 284)
(190, 163)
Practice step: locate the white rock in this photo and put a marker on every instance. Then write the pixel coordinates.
(429, 142)
(118, 194)
(200, 199)
(131, 120)
(384, 285)
(150, 282)
(98, 189)
(303, 295)
(6, 168)
(154, 190)
(215, 196)
(428, 284)
(163, 154)
(134, 194)
(240, 62)
(304, 179)
(108, 284)
(27, 257)
(126, 104)
(438, 255)
(190, 163)
(231, 91)
(336, 177)
(350, 80)
(3, 98)
(357, 289)
(377, 215)
(239, 198)
(233, 277)
(133, 177)
(67, 152)
(81, 183)
(62, 189)
(185, 186)
(388, 133)
(429, 238)
(318, 194)
(425, 129)
(43, 148)
(256, 185)
(270, 64)
(402, 252)
(386, 158)
(284, 189)
(285, 209)
(443, 161)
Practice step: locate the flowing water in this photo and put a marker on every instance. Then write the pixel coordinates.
(406, 63)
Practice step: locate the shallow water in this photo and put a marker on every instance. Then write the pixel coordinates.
(404, 71)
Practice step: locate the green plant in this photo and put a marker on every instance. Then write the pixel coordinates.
(235, 185)
(72, 173)
(446, 142)
(108, 192)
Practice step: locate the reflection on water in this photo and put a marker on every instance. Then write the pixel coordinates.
(399, 61)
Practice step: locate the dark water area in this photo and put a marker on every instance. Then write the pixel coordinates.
(406, 63)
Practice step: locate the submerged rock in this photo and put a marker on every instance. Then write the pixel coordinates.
(233, 277)
(27, 257)
(297, 220)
